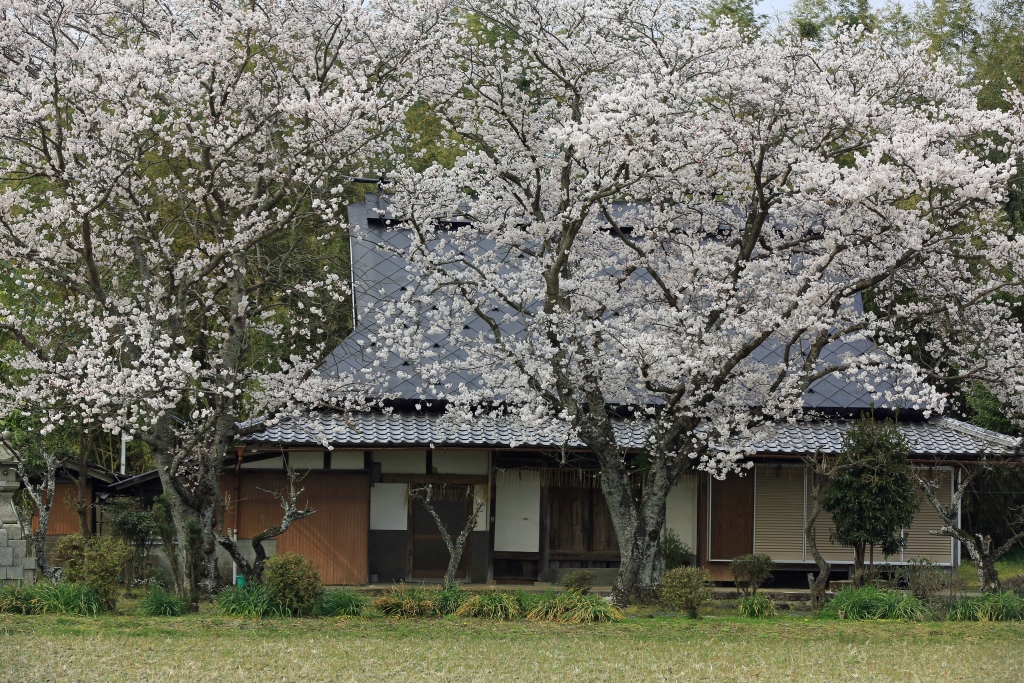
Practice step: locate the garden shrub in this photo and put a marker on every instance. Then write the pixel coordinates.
(497, 605)
(750, 572)
(926, 580)
(757, 606)
(294, 582)
(1004, 606)
(579, 580)
(340, 603)
(574, 608)
(673, 550)
(96, 562)
(687, 589)
(160, 603)
(254, 600)
(869, 603)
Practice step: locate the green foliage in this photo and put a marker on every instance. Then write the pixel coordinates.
(757, 606)
(497, 605)
(163, 526)
(1003, 606)
(123, 518)
(573, 608)
(750, 572)
(687, 589)
(340, 603)
(50, 598)
(96, 562)
(673, 550)
(160, 603)
(449, 599)
(579, 580)
(871, 493)
(740, 13)
(869, 603)
(254, 601)
(294, 582)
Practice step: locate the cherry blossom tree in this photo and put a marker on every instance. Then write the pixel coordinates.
(173, 180)
(654, 222)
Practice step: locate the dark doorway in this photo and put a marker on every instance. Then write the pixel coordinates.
(429, 551)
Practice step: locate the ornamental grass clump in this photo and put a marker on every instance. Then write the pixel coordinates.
(293, 582)
(572, 607)
(254, 601)
(687, 590)
(869, 603)
(45, 597)
(1004, 606)
(400, 601)
(497, 605)
(161, 603)
(757, 606)
(340, 603)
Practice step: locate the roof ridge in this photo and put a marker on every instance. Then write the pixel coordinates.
(976, 431)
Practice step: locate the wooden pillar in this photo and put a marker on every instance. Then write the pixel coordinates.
(491, 488)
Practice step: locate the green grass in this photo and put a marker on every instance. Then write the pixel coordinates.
(869, 603)
(208, 646)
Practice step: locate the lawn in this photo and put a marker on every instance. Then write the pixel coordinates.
(202, 647)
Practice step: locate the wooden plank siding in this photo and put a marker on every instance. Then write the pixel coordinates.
(581, 527)
(731, 526)
(63, 516)
(334, 539)
(920, 543)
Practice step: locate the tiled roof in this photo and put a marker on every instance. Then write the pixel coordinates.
(378, 274)
(935, 437)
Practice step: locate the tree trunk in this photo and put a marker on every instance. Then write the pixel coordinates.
(85, 446)
(858, 565)
(818, 584)
(456, 545)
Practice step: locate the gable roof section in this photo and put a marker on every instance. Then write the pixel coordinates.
(380, 275)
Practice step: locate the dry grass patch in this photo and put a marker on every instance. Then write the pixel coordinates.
(203, 648)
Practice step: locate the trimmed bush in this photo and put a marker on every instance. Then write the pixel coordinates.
(579, 580)
(757, 606)
(293, 582)
(254, 601)
(160, 603)
(1005, 606)
(574, 608)
(496, 605)
(750, 572)
(340, 603)
(687, 589)
(925, 579)
(96, 562)
(868, 603)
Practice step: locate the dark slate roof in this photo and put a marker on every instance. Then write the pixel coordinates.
(379, 275)
(939, 436)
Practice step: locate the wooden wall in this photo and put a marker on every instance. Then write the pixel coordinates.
(732, 517)
(63, 516)
(334, 539)
(580, 528)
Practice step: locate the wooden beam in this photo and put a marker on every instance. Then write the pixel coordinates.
(452, 479)
(543, 561)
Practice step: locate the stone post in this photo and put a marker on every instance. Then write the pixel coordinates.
(17, 561)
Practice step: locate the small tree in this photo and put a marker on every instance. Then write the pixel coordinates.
(456, 544)
(980, 548)
(871, 493)
(254, 571)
